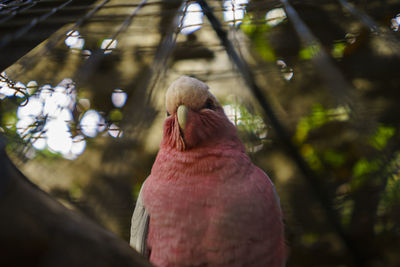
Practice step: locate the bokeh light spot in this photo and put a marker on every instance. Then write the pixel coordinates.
(78, 145)
(192, 20)
(33, 108)
(118, 98)
(275, 16)
(115, 131)
(92, 123)
(74, 41)
(234, 11)
(108, 45)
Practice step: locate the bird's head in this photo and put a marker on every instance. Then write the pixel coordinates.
(195, 117)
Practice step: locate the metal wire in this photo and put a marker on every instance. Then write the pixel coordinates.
(10, 37)
(159, 63)
(166, 47)
(12, 85)
(89, 16)
(282, 133)
(29, 61)
(374, 28)
(27, 5)
(326, 69)
(94, 60)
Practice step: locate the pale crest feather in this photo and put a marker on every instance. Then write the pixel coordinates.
(188, 91)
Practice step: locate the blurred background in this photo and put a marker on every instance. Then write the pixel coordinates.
(313, 87)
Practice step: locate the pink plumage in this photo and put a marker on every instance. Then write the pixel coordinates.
(208, 204)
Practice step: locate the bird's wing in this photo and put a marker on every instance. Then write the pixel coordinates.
(140, 227)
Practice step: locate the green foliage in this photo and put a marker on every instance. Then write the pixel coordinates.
(389, 203)
(46, 154)
(391, 196)
(346, 210)
(364, 166)
(9, 119)
(311, 155)
(309, 52)
(318, 117)
(116, 115)
(392, 191)
(250, 122)
(251, 127)
(258, 34)
(362, 171)
(247, 26)
(338, 49)
(382, 136)
(309, 239)
(334, 158)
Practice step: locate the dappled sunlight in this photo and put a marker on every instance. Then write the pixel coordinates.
(58, 136)
(32, 109)
(118, 98)
(395, 23)
(115, 131)
(92, 123)
(234, 11)
(287, 72)
(275, 16)
(18, 89)
(192, 20)
(78, 145)
(350, 38)
(39, 141)
(108, 45)
(74, 40)
(232, 113)
(45, 118)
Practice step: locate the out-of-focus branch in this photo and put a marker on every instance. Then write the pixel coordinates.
(36, 230)
(282, 133)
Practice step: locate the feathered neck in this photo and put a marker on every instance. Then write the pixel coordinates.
(205, 129)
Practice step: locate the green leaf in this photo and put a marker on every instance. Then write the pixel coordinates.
(309, 52)
(338, 49)
(334, 158)
(382, 136)
(116, 115)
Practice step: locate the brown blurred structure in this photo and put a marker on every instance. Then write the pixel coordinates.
(39, 231)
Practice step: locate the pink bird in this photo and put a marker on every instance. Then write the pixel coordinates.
(205, 203)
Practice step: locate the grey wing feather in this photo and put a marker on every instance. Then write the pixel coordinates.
(140, 227)
(277, 198)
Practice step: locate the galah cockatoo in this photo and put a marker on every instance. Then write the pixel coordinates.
(205, 203)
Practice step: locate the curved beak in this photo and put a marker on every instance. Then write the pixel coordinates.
(182, 114)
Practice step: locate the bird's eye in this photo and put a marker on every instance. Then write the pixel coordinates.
(209, 104)
(168, 114)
